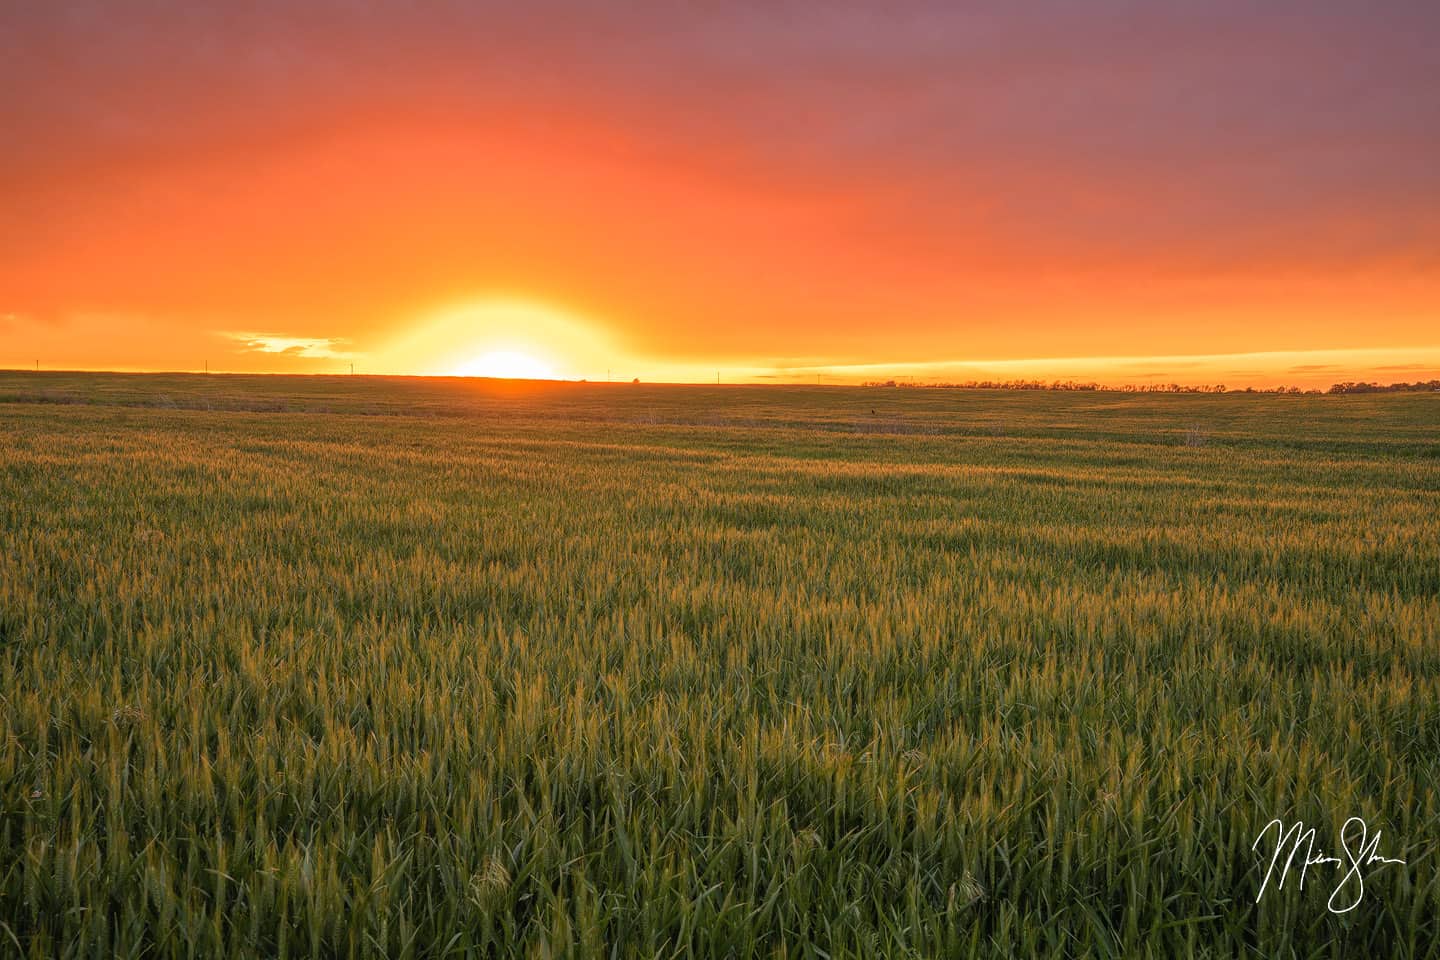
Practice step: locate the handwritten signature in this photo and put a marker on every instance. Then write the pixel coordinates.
(1292, 840)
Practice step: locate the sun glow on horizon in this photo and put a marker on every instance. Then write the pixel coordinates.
(504, 337)
(507, 365)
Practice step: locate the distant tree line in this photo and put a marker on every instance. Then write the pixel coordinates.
(1066, 385)
(1050, 385)
(1361, 387)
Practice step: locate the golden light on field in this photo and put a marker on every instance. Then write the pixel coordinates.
(507, 365)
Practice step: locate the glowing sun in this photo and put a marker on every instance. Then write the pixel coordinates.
(506, 364)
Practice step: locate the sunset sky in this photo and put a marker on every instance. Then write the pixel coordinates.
(1198, 192)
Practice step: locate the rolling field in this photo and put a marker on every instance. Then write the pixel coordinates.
(359, 667)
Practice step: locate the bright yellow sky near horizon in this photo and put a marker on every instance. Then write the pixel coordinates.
(1131, 195)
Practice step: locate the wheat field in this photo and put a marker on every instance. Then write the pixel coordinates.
(351, 667)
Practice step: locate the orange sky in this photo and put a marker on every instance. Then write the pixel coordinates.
(1119, 191)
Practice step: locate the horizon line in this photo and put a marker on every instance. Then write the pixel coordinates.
(1253, 368)
(1059, 384)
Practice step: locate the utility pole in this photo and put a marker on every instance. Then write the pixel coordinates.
(352, 369)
